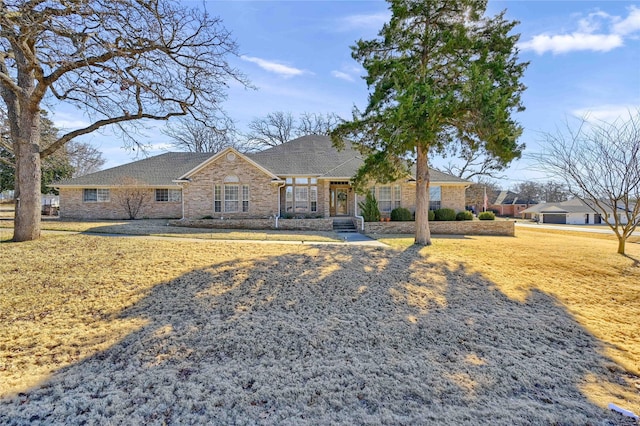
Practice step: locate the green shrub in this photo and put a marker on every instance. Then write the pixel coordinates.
(401, 214)
(432, 215)
(487, 216)
(465, 215)
(445, 214)
(369, 208)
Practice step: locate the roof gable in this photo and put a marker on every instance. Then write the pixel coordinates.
(222, 154)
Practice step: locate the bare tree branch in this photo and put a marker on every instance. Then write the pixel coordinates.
(600, 164)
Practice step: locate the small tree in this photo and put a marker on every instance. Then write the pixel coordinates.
(132, 197)
(600, 164)
(369, 208)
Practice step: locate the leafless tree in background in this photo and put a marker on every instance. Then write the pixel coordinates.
(191, 135)
(600, 164)
(119, 61)
(279, 127)
(84, 158)
(316, 124)
(473, 164)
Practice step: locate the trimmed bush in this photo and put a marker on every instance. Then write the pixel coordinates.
(465, 215)
(432, 215)
(487, 216)
(401, 214)
(369, 208)
(445, 214)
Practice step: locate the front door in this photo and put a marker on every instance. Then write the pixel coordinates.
(338, 202)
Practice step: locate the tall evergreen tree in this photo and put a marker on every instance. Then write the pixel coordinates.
(440, 72)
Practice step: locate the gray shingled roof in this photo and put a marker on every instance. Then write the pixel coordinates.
(159, 170)
(306, 156)
(309, 155)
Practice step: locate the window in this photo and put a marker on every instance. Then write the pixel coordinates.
(231, 198)
(313, 198)
(289, 199)
(217, 198)
(95, 195)
(301, 195)
(384, 199)
(434, 197)
(168, 195)
(245, 198)
(397, 196)
(301, 198)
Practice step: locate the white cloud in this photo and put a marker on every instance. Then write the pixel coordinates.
(274, 67)
(606, 113)
(630, 24)
(367, 21)
(66, 121)
(597, 32)
(572, 42)
(342, 75)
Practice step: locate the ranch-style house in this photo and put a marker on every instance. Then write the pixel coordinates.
(304, 178)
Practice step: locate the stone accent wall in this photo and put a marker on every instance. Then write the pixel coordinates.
(283, 224)
(72, 206)
(467, 227)
(198, 194)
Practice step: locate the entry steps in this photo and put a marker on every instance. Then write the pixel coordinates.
(344, 225)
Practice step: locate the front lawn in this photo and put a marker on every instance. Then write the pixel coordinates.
(536, 329)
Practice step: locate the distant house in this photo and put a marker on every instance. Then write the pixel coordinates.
(306, 177)
(508, 203)
(572, 212)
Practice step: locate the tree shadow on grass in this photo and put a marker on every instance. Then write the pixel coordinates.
(335, 335)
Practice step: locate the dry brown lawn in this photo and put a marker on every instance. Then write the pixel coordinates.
(160, 227)
(538, 329)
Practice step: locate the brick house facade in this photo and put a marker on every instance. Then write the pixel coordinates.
(304, 178)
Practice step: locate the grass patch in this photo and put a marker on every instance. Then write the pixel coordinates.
(534, 329)
(159, 227)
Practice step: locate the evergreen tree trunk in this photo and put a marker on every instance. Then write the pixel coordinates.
(423, 234)
(28, 175)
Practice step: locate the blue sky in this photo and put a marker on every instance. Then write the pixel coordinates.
(584, 59)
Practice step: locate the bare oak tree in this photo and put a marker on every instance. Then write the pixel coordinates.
(274, 129)
(119, 61)
(279, 127)
(600, 164)
(472, 163)
(316, 123)
(194, 136)
(84, 158)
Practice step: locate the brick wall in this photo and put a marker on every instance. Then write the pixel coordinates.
(72, 206)
(470, 227)
(452, 196)
(198, 194)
